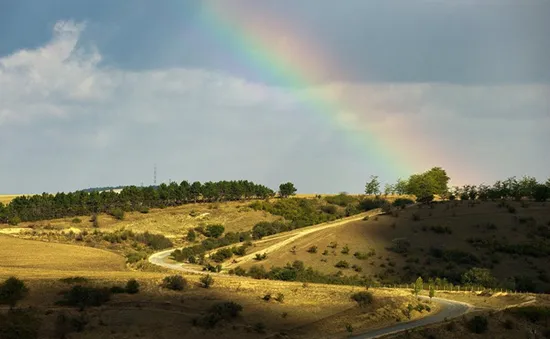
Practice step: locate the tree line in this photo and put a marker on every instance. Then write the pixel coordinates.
(131, 198)
(435, 182)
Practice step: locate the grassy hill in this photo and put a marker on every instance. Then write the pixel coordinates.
(511, 239)
(157, 312)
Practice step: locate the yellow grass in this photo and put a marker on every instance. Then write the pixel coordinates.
(173, 221)
(18, 254)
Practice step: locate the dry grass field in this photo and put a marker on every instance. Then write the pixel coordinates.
(447, 226)
(172, 222)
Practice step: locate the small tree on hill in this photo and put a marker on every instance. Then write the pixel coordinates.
(372, 187)
(432, 291)
(11, 291)
(207, 281)
(287, 189)
(418, 286)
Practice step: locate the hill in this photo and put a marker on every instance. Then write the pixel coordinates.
(441, 240)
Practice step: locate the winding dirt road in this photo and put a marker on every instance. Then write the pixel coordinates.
(449, 309)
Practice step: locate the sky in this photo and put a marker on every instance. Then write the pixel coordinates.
(320, 93)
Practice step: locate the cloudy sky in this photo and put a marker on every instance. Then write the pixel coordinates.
(320, 93)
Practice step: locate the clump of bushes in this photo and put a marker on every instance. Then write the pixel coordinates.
(478, 324)
(207, 281)
(342, 264)
(345, 249)
(363, 298)
(117, 213)
(312, 249)
(132, 286)
(260, 257)
(83, 296)
(220, 311)
(11, 291)
(174, 282)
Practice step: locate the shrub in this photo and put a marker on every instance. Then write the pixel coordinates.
(312, 249)
(207, 281)
(415, 217)
(345, 249)
(357, 268)
(333, 244)
(532, 313)
(267, 297)
(117, 213)
(174, 282)
(218, 312)
(214, 231)
(402, 202)
(191, 236)
(134, 257)
(280, 297)
(509, 324)
(132, 286)
(117, 290)
(363, 299)
(143, 209)
(11, 291)
(85, 297)
(76, 221)
(260, 257)
(478, 324)
(511, 209)
(349, 328)
(342, 264)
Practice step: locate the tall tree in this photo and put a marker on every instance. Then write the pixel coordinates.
(418, 286)
(287, 189)
(401, 186)
(372, 187)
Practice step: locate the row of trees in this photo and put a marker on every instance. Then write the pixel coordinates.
(423, 185)
(132, 198)
(435, 182)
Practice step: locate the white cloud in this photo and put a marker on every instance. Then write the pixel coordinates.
(94, 107)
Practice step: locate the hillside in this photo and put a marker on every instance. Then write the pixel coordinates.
(158, 312)
(444, 240)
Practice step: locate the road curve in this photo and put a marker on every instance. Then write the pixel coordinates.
(449, 309)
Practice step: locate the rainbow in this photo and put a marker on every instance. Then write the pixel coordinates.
(299, 66)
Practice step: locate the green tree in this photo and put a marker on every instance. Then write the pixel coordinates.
(479, 276)
(434, 181)
(432, 291)
(287, 189)
(400, 186)
(541, 193)
(132, 286)
(418, 286)
(389, 189)
(372, 187)
(11, 291)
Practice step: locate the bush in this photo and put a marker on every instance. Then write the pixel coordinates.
(260, 257)
(511, 209)
(259, 327)
(342, 264)
(478, 324)
(174, 282)
(214, 231)
(191, 236)
(402, 202)
(207, 281)
(280, 297)
(76, 221)
(143, 209)
(345, 249)
(267, 297)
(117, 290)
(85, 297)
(363, 299)
(11, 291)
(415, 217)
(117, 213)
(134, 257)
(132, 286)
(218, 312)
(312, 249)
